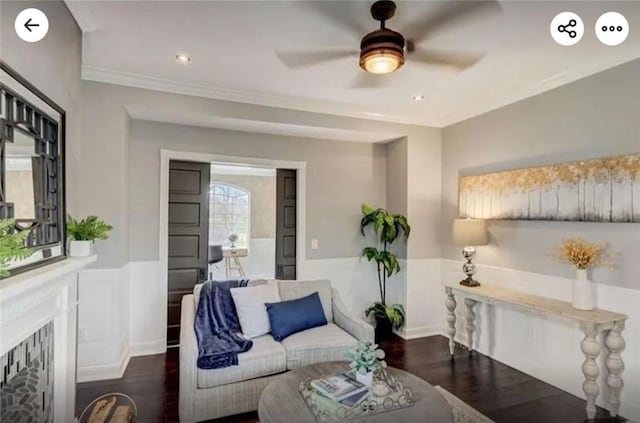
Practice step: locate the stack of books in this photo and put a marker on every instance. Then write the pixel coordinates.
(341, 388)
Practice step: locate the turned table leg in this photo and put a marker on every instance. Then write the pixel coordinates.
(591, 349)
(451, 319)
(470, 326)
(615, 345)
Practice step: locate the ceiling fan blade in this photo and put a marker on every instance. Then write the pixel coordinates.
(341, 13)
(456, 61)
(309, 58)
(449, 13)
(366, 80)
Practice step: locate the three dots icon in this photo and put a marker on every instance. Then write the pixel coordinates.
(612, 28)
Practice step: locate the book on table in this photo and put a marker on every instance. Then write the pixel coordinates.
(338, 387)
(355, 399)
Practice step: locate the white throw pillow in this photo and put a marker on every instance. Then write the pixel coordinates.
(252, 313)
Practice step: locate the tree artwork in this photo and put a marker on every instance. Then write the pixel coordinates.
(600, 190)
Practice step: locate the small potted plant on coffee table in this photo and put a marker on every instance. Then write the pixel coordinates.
(83, 233)
(365, 359)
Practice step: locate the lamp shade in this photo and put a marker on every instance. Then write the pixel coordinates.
(470, 232)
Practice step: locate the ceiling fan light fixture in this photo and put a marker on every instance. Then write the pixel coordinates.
(382, 51)
(381, 62)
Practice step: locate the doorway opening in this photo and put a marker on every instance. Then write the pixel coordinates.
(242, 222)
(227, 220)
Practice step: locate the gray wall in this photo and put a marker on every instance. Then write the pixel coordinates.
(52, 65)
(397, 166)
(103, 187)
(424, 194)
(340, 176)
(414, 189)
(594, 117)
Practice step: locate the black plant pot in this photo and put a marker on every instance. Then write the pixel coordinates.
(384, 329)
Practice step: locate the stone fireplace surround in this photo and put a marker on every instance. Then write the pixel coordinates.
(46, 296)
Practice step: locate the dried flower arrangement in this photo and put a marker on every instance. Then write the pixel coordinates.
(582, 254)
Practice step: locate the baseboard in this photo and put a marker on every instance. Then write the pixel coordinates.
(148, 348)
(104, 371)
(419, 331)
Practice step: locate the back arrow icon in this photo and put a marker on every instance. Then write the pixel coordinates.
(28, 25)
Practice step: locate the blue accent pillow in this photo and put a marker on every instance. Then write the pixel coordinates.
(289, 317)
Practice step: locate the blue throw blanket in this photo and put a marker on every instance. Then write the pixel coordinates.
(217, 326)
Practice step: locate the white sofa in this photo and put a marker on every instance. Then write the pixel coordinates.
(210, 394)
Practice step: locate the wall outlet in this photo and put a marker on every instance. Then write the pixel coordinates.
(314, 244)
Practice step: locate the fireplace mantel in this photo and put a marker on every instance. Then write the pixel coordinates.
(24, 282)
(33, 299)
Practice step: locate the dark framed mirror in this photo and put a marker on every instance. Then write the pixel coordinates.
(32, 130)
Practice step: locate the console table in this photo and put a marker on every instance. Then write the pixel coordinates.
(592, 324)
(232, 260)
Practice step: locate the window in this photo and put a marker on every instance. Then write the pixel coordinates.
(229, 214)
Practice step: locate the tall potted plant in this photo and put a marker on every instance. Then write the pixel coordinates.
(83, 233)
(388, 228)
(11, 245)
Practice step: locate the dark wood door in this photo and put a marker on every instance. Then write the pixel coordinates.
(188, 236)
(286, 188)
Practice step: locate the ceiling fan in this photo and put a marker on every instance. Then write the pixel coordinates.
(384, 51)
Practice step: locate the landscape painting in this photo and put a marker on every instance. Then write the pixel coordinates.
(601, 190)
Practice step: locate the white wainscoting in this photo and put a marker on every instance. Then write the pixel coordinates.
(103, 323)
(146, 329)
(424, 298)
(546, 349)
(132, 293)
(354, 278)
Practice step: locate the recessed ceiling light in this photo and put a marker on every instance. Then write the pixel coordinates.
(183, 59)
(417, 98)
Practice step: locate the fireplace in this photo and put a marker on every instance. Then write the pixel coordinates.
(26, 385)
(38, 324)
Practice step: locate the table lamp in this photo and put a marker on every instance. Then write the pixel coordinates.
(470, 233)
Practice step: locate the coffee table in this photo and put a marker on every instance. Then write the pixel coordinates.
(281, 401)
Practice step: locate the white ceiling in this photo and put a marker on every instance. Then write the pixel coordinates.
(233, 47)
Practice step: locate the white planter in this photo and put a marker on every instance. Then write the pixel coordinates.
(584, 296)
(366, 379)
(80, 248)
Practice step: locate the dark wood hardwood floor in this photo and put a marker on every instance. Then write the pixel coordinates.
(498, 391)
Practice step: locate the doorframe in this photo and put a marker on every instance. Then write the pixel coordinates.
(163, 251)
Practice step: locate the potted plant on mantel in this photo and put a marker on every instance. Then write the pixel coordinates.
(11, 245)
(83, 233)
(387, 227)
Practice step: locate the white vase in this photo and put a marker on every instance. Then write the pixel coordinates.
(366, 379)
(80, 248)
(583, 297)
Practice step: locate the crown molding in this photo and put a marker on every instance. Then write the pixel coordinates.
(470, 110)
(97, 74)
(81, 12)
(259, 126)
(509, 97)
